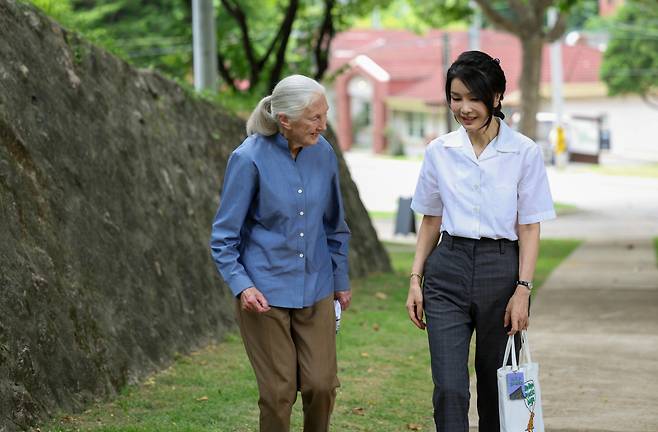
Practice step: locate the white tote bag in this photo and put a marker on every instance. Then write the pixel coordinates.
(519, 395)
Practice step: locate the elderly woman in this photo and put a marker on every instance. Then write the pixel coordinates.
(280, 241)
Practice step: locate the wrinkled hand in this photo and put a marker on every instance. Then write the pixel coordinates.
(516, 312)
(415, 304)
(344, 298)
(252, 300)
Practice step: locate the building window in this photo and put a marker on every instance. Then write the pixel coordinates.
(410, 124)
(416, 124)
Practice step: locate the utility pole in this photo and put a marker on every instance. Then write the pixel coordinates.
(561, 155)
(446, 66)
(205, 45)
(376, 18)
(474, 28)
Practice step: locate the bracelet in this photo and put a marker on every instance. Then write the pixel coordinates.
(418, 275)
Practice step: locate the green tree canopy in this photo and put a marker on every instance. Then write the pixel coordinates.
(630, 62)
(525, 19)
(258, 41)
(146, 33)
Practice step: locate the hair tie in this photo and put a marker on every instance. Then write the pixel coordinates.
(498, 111)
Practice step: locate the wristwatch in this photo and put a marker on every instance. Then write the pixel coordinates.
(525, 283)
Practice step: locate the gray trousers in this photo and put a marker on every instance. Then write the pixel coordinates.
(467, 286)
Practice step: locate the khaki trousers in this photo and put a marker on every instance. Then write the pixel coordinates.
(291, 350)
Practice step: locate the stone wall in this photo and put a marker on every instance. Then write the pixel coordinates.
(109, 179)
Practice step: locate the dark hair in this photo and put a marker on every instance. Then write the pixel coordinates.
(483, 76)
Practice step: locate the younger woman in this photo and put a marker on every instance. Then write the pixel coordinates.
(484, 187)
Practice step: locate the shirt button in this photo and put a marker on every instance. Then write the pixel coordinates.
(299, 191)
(301, 234)
(301, 255)
(476, 187)
(301, 213)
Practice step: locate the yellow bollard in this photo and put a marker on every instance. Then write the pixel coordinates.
(560, 141)
(561, 156)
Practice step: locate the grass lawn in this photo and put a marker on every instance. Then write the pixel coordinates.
(383, 367)
(640, 170)
(562, 209)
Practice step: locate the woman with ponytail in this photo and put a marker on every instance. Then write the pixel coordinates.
(280, 241)
(483, 192)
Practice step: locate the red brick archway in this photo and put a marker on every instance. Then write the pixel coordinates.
(380, 92)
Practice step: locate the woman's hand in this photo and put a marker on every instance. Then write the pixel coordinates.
(252, 300)
(344, 298)
(415, 303)
(516, 313)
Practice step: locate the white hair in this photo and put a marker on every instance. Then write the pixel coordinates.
(291, 96)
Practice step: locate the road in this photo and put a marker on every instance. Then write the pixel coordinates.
(612, 207)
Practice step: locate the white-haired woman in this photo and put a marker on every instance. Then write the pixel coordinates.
(280, 242)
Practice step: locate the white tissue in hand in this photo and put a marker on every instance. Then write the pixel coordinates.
(339, 311)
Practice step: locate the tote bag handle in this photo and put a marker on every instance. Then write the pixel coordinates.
(510, 349)
(525, 348)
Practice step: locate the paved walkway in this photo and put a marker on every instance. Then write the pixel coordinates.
(594, 332)
(594, 323)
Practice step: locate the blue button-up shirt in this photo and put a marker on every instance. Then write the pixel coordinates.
(280, 225)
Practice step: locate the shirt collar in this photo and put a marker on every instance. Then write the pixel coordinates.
(456, 140)
(506, 142)
(281, 141)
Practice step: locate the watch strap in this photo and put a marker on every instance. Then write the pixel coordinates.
(525, 283)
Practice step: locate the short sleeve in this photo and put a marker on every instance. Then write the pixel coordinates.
(535, 203)
(427, 199)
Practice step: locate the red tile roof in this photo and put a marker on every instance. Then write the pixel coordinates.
(414, 62)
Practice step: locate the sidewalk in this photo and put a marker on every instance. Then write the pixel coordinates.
(594, 333)
(594, 323)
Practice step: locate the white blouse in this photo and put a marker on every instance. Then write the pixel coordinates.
(485, 196)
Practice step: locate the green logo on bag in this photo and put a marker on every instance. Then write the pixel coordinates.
(529, 393)
(529, 396)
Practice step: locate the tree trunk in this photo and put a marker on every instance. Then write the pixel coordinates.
(529, 83)
(286, 29)
(323, 42)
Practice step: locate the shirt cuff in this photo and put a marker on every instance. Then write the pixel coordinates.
(240, 283)
(341, 282)
(537, 217)
(426, 210)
